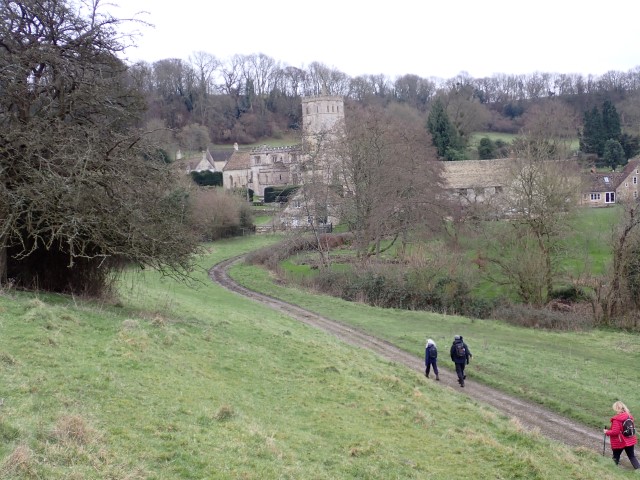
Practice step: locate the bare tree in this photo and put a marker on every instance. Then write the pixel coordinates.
(205, 66)
(80, 189)
(390, 178)
(622, 293)
(543, 195)
(552, 123)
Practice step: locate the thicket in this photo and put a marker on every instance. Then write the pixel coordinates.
(382, 284)
(217, 214)
(207, 178)
(391, 286)
(82, 192)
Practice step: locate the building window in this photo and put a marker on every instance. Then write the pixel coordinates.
(256, 160)
(626, 184)
(308, 111)
(635, 194)
(610, 197)
(595, 196)
(635, 180)
(332, 108)
(327, 108)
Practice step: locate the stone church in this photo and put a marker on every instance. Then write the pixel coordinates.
(264, 166)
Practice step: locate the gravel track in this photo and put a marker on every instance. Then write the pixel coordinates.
(530, 415)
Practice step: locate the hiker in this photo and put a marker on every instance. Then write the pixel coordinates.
(460, 355)
(619, 441)
(431, 358)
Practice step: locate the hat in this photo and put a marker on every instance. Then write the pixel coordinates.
(457, 337)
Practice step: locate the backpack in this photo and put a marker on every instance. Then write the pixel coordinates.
(628, 428)
(433, 353)
(461, 352)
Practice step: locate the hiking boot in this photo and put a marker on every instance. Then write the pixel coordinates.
(464, 377)
(462, 384)
(437, 378)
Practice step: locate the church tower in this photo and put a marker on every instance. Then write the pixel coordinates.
(321, 115)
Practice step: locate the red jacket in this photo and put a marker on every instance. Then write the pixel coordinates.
(615, 432)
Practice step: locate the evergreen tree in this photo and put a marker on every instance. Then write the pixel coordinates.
(613, 154)
(591, 140)
(630, 144)
(486, 149)
(444, 135)
(600, 127)
(610, 122)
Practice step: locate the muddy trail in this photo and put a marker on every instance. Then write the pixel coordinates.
(530, 415)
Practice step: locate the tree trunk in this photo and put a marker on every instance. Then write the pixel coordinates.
(3, 263)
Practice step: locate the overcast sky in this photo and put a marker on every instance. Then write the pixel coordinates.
(427, 38)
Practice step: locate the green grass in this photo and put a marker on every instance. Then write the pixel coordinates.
(493, 136)
(587, 244)
(578, 374)
(183, 381)
(507, 138)
(262, 219)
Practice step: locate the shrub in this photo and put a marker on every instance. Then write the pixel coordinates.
(218, 214)
(528, 316)
(207, 178)
(387, 287)
(570, 293)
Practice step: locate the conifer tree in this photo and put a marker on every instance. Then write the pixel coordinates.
(444, 135)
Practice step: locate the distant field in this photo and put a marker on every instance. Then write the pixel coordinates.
(508, 138)
(505, 137)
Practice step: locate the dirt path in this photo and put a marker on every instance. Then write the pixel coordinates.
(530, 415)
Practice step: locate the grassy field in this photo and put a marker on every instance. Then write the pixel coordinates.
(587, 243)
(179, 381)
(507, 138)
(578, 374)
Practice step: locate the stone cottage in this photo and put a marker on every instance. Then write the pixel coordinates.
(605, 189)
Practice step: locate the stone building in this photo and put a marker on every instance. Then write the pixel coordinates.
(605, 189)
(265, 166)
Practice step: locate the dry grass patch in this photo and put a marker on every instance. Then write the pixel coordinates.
(20, 462)
(224, 413)
(72, 429)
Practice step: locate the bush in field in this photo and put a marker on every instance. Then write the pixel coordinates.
(218, 214)
(387, 287)
(207, 178)
(531, 317)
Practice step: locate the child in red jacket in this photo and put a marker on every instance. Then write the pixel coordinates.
(618, 441)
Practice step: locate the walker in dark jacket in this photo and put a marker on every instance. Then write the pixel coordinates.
(460, 360)
(431, 358)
